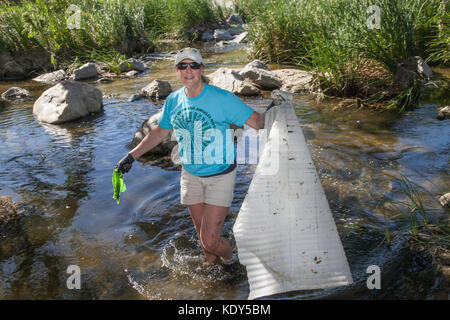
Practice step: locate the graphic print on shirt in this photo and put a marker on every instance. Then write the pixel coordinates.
(195, 125)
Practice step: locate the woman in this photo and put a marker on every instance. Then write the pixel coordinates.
(200, 115)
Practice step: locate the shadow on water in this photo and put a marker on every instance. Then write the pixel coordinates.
(146, 247)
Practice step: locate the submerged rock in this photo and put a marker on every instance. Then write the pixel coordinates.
(162, 149)
(445, 200)
(8, 210)
(231, 80)
(67, 101)
(444, 113)
(16, 94)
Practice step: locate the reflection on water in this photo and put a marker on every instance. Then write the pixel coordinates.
(147, 248)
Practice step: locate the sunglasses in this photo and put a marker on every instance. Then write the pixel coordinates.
(184, 65)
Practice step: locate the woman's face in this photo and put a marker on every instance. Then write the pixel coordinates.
(191, 78)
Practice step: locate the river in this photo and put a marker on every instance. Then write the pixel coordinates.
(146, 247)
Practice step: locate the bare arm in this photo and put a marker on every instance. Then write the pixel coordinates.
(256, 120)
(151, 140)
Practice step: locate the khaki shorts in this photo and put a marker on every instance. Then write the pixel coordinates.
(217, 190)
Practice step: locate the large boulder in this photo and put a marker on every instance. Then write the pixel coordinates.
(52, 77)
(231, 80)
(67, 101)
(158, 89)
(295, 81)
(164, 148)
(16, 94)
(86, 71)
(261, 77)
(236, 30)
(131, 64)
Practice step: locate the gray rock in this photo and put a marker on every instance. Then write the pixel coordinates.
(445, 200)
(241, 38)
(131, 74)
(236, 30)
(231, 80)
(136, 96)
(104, 80)
(162, 149)
(222, 34)
(234, 19)
(207, 36)
(294, 80)
(262, 78)
(52, 77)
(131, 64)
(16, 94)
(444, 113)
(67, 101)
(258, 64)
(86, 71)
(158, 89)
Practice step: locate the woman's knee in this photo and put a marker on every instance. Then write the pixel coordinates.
(210, 241)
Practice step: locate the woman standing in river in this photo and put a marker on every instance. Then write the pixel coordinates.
(200, 115)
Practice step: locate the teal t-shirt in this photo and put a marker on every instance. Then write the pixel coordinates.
(201, 126)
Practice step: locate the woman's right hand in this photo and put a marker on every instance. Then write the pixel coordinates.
(124, 165)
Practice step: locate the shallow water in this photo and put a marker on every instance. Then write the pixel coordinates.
(146, 247)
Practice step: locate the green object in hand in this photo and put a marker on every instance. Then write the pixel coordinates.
(118, 184)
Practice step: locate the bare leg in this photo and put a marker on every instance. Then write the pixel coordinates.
(196, 211)
(211, 231)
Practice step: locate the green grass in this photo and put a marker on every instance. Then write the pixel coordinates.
(331, 38)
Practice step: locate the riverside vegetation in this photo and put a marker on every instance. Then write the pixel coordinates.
(105, 30)
(352, 47)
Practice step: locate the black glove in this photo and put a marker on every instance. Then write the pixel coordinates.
(125, 164)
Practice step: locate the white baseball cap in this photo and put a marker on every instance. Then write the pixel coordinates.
(189, 53)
